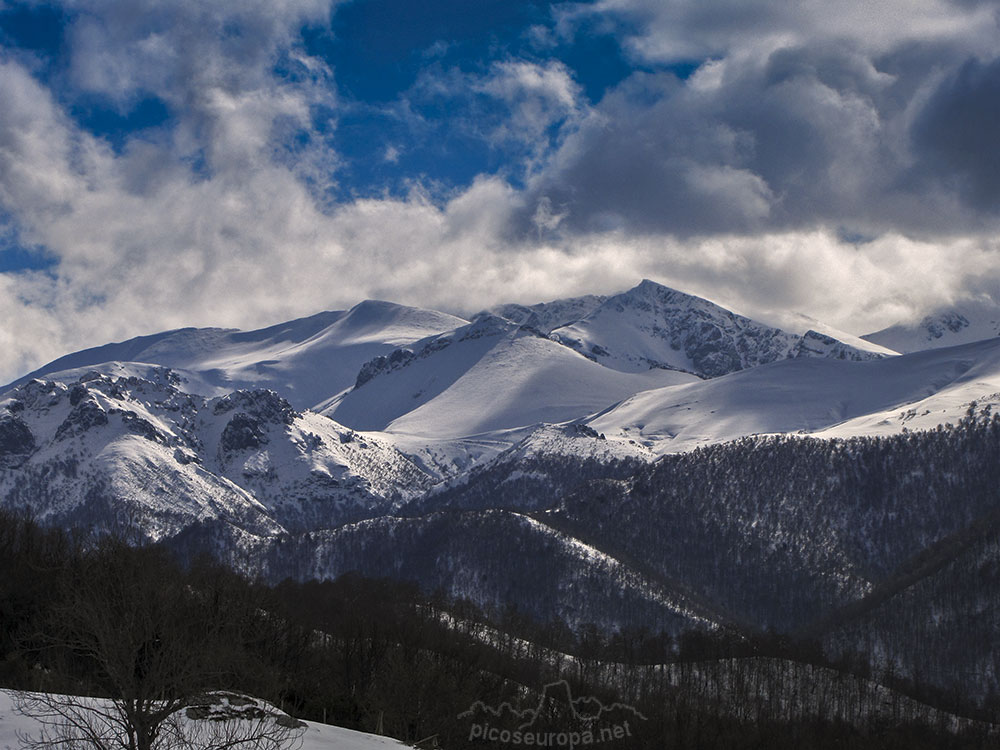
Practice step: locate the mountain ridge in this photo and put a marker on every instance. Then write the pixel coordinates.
(306, 360)
(493, 462)
(670, 329)
(962, 323)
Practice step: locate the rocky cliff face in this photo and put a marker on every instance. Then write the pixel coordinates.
(654, 326)
(101, 449)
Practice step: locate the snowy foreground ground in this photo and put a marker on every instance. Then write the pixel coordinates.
(317, 736)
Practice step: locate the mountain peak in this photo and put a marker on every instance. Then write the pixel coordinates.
(948, 321)
(963, 323)
(547, 316)
(654, 326)
(656, 293)
(486, 324)
(375, 307)
(306, 360)
(648, 286)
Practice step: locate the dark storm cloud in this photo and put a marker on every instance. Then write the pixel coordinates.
(665, 30)
(957, 135)
(731, 150)
(645, 161)
(824, 134)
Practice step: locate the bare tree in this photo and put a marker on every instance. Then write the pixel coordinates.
(148, 650)
(220, 721)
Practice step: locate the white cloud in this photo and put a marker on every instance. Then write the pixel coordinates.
(535, 100)
(517, 81)
(391, 154)
(694, 30)
(123, 47)
(212, 221)
(518, 107)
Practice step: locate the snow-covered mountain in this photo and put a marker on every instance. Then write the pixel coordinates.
(447, 395)
(828, 397)
(489, 390)
(499, 459)
(305, 361)
(312, 360)
(964, 323)
(487, 376)
(546, 316)
(180, 424)
(102, 451)
(653, 326)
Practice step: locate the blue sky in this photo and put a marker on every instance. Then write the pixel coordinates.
(391, 126)
(175, 162)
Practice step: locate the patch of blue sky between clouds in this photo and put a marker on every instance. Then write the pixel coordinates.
(37, 32)
(387, 134)
(32, 26)
(16, 256)
(106, 120)
(378, 47)
(403, 71)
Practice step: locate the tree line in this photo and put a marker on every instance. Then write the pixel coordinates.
(108, 619)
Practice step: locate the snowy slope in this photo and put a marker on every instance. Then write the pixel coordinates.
(456, 390)
(104, 449)
(811, 395)
(962, 324)
(980, 383)
(546, 316)
(654, 326)
(826, 346)
(804, 325)
(327, 737)
(490, 375)
(305, 361)
(469, 555)
(316, 736)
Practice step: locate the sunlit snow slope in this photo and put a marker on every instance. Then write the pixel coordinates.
(487, 376)
(306, 360)
(655, 326)
(834, 397)
(961, 324)
(105, 450)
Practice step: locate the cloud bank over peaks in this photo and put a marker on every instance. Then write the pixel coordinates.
(190, 163)
(656, 31)
(804, 137)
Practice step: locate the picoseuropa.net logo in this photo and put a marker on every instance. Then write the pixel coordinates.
(557, 721)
